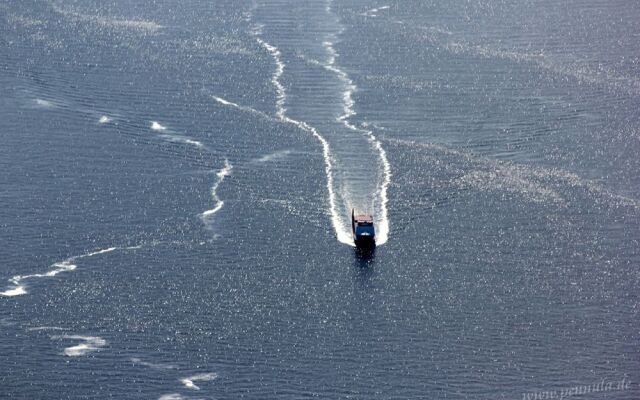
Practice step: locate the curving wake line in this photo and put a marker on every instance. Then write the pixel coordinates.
(381, 199)
(188, 382)
(224, 172)
(225, 102)
(343, 233)
(87, 345)
(170, 136)
(67, 265)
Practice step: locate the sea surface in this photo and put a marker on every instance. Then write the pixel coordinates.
(177, 178)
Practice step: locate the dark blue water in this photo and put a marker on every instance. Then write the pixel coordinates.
(176, 181)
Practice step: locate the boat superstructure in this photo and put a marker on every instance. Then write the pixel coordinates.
(364, 233)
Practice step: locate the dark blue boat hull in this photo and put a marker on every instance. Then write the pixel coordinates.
(364, 234)
(365, 241)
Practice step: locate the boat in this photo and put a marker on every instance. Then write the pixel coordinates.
(364, 233)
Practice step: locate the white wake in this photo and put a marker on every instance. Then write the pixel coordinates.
(221, 174)
(87, 344)
(381, 213)
(343, 234)
(19, 286)
(189, 382)
(172, 137)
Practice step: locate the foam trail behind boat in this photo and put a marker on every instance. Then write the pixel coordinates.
(42, 103)
(343, 233)
(156, 126)
(273, 156)
(374, 11)
(205, 377)
(67, 265)
(236, 105)
(46, 328)
(228, 103)
(182, 139)
(221, 174)
(381, 200)
(172, 137)
(88, 344)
